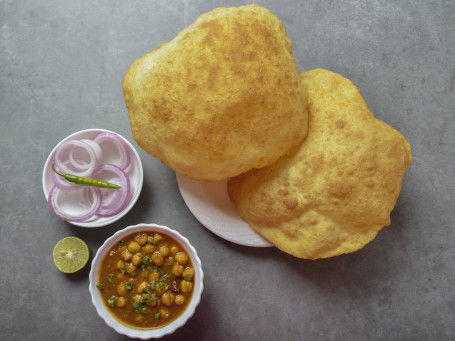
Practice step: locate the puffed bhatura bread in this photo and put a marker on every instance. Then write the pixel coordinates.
(223, 97)
(332, 194)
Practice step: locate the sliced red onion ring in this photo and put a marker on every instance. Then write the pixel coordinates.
(56, 202)
(92, 163)
(84, 165)
(109, 197)
(61, 182)
(115, 202)
(125, 156)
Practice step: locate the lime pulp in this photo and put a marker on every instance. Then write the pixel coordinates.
(70, 254)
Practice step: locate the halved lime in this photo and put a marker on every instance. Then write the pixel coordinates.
(70, 254)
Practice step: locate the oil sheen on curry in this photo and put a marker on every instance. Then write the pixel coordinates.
(146, 280)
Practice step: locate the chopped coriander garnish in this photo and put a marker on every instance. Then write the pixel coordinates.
(157, 316)
(165, 277)
(100, 286)
(128, 285)
(162, 281)
(153, 284)
(133, 274)
(137, 308)
(110, 278)
(121, 243)
(112, 301)
(169, 266)
(142, 267)
(147, 260)
(147, 295)
(188, 278)
(122, 269)
(157, 269)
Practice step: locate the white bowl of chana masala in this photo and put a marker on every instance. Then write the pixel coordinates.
(146, 281)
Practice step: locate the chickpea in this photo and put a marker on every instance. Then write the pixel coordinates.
(142, 286)
(137, 298)
(157, 238)
(141, 238)
(165, 313)
(148, 249)
(154, 276)
(126, 255)
(121, 302)
(157, 258)
(168, 298)
(137, 259)
(139, 318)
(134, 247)
(164, 250)
(159, 290)
(130, 268)
(120, 277)
(174, 249)
(177, 270)
(179, 299)
(141, 276)
(188, 274)
(150, 240)
(121, 289)
(186, 286)
(119, 264)
(181, 258)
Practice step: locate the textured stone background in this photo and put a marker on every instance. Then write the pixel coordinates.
(61, 68)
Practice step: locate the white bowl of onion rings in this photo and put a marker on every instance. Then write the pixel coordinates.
(93, 153)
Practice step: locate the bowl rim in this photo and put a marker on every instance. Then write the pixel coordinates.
(139, 178)
(129, 331)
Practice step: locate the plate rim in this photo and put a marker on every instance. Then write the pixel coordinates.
(186, 198)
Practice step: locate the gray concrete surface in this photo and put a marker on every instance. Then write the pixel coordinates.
(61, 69)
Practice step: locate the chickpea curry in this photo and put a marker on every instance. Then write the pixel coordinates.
(146, 280)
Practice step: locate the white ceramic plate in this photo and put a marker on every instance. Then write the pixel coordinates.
(146, 333)
(210, 204)
(134, 171)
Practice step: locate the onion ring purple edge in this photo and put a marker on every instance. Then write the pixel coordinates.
(116, 207)
(123, 148)
(92, 164)
(92, 211)
(98, 156)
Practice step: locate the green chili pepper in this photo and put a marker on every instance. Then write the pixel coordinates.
(80, 180)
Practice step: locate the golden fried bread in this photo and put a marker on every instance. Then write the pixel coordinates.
(223, 97)
(333, 193)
